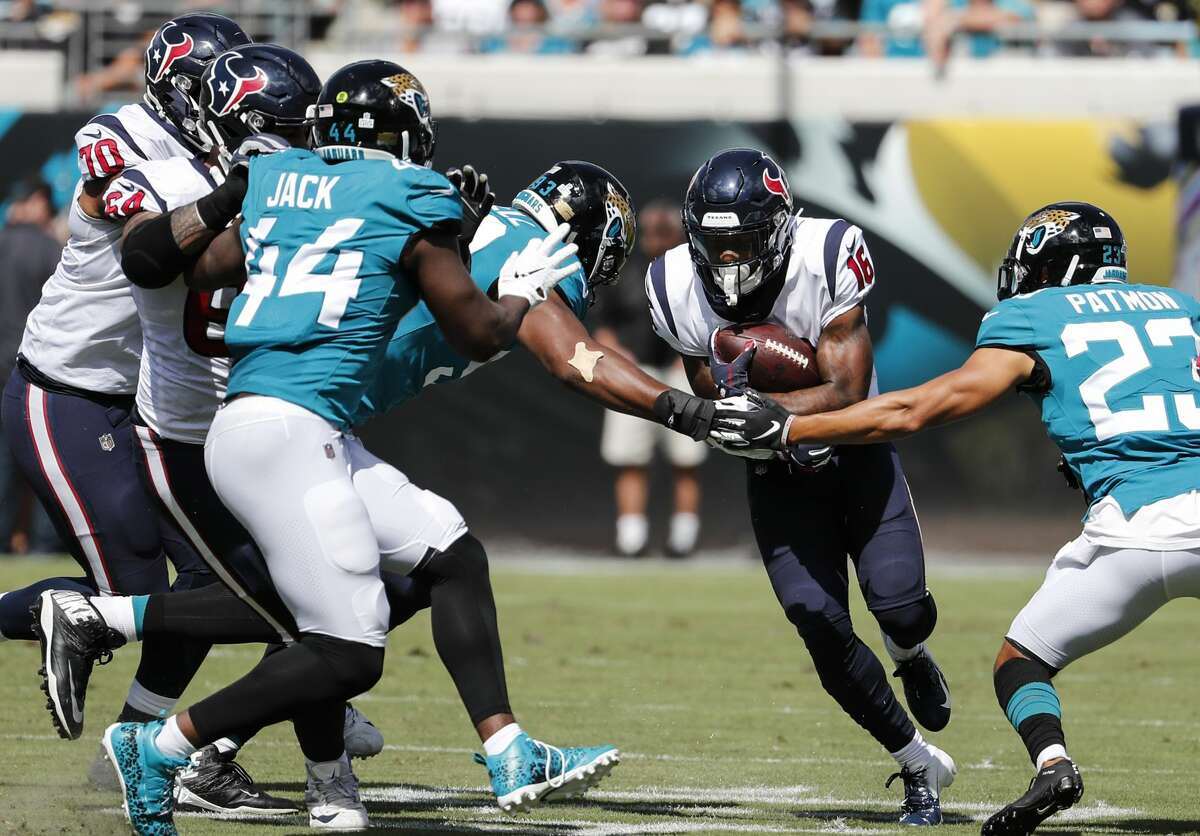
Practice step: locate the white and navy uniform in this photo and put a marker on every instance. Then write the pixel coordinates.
(67, 406)
(807, 523)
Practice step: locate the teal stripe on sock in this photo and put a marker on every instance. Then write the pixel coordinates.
(1030, 699)
(139, 611)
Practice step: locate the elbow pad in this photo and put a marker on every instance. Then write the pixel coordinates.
(150, 257)
(684, 413)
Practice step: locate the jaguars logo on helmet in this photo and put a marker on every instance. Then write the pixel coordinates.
(176, 58)
(1063, 244)
(598, 209)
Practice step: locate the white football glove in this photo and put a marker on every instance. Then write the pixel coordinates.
(532, 272)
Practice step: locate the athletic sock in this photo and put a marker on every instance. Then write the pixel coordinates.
(1031, 704)
(1052, 752)
(141, 698)
(632, 533)
(501, 740)
(685, 529)
(901, 654)
(171, 742)
(122, 613)
(915, 755)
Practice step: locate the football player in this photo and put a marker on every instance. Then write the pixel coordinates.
(751, 257)
(1113, 368)
(67, 407)
(339, 244)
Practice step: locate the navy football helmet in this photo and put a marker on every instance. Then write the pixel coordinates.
(259, 88)
(175, 59)
(597, 208)
(1063, 244)
(738, 217)
(374, 109)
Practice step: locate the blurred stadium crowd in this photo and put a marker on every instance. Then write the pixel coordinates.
(106, 38)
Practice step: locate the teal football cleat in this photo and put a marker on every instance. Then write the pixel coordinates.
(529, 772)
(147, 776)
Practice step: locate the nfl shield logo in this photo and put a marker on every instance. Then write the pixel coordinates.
(107, 443)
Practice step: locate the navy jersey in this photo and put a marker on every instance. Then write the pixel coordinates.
(325, 286)
(418, 354)
(1120, 401)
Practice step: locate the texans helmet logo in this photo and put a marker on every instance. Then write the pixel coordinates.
(162, 53)
(226, 88)
(776, 185)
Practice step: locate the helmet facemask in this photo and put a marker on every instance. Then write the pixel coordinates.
(737, 261)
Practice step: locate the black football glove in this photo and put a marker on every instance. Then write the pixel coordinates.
(750, 421)
(477, 200)
(732, 378)
(684, 413)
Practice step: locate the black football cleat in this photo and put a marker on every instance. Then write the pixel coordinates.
(216, 783)
(73, 637)
(925, 690)
(1053, 789)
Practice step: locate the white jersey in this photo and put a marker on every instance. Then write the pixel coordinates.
(184, 365)
(84, 331)
(829, 272)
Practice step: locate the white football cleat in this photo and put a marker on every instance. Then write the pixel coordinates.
(332, 797)
(363, 740)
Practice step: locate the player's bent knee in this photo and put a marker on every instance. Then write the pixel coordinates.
(355, 666)
(910, 624)
(465, 558)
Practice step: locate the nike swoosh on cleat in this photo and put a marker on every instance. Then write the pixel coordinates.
(326, 819)
(774, 428)
(74, 705)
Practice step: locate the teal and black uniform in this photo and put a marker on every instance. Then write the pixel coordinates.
(1117, 383)
(418, 354)
(325, 288)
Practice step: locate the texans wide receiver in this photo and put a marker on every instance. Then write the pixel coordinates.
(751, 257)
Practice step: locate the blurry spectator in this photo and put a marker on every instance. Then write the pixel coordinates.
(970, 24)
(124, 73)
(29, 255)
(528, 18)
(725, 30)
(570, 14)
(627, 443)
(473, 16)
(418, 33)
(1102, 11)
(620, 13)
(19, 11)
(904, 15)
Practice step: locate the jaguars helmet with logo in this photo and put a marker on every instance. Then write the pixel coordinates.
(374, 109)
(738, 217)
(176, 58)
(259, 88)
(598, 209)
(1063, 244)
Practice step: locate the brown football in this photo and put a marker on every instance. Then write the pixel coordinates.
(783, 362)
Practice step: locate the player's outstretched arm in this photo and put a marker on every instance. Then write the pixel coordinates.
(845, 359)
(985, 377)
(474, 325)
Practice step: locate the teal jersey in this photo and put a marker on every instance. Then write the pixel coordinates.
(325, 287)
(418, 354)
(1118, 383)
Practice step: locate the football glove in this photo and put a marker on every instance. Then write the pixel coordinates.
(223, 204)
(684, 413)
(810, 457)
(750, 420)
(732, 378)
(531, 273)
(477, 199)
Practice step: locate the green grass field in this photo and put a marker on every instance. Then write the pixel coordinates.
(693, 671)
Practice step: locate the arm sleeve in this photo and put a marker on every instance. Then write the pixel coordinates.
(849, 270)
(104, 147)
